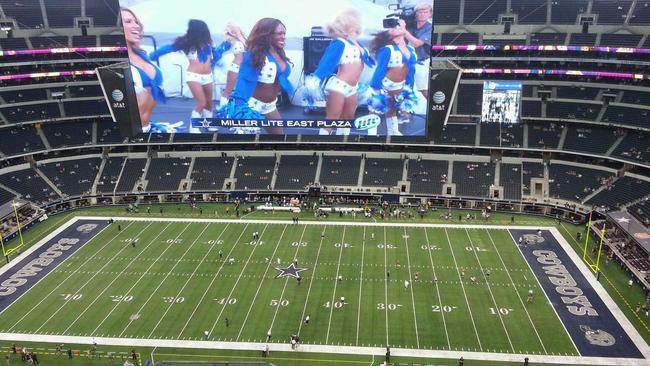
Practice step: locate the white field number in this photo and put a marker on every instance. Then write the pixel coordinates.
(174, 241)
(254, 243)
(502, 311)
(382, 306)
(226, 301)
(477, 249)
(276, 302)
(299, 244)
(73, 297)
(429, 247)
(173, 300)
(119, 298)
(129, 240)
(386, 246)
(444, 308)
(344, 245)
(337, 305)
(215, 242)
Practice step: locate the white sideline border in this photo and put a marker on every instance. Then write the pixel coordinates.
(634, 335)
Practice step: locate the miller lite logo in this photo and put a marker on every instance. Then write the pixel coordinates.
(367, 122)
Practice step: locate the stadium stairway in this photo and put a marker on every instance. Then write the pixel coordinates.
(142, 181)
(40, 133)
(93, 190)
(560, 144)
(274, 177)
(362, 168)
(614, 145)
(188, 176)
(600, 189)
(48, 181)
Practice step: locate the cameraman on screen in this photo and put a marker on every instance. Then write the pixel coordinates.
(420, 38)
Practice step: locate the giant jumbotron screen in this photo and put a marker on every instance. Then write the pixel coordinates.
(501, 102)
(280, 67)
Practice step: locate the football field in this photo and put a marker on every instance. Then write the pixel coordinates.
(422, 287)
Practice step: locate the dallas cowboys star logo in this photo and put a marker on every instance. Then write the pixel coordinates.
(623, 220)
(291, 271)
(205, 123)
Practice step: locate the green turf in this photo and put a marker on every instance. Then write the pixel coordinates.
(614, 279)
(173, 285)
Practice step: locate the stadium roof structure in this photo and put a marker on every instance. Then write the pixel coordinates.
(633, 227)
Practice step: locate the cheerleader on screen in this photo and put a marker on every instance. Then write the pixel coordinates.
(147, 77)
(343, 62)
(237, 41)
(264, 71)
(197, 46)
(395, 72)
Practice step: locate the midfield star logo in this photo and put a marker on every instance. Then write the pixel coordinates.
(291, 271)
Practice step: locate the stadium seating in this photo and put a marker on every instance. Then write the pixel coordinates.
(382, 172)
(446, 12)
(611, 12)
(165, 174)
(641, 211)
(29, 185)
(588, 138)
(104, 13)
(254, 172)
(61, 14)
(20, 140)
(23, 95)
(620, 40)
(641, 13)
(574, 183)
(340, 170)
(209, 173)
(295, 172)
(459, 134)
(627, 116)
(72, 177)
(469, 99)
(31, 112)
(510, 179)
(544, 135)
(111, 173)
(28, 14)
(68, 134)
(473, 179)
(5, 196)
(427, 176)
(566, 12)
(621, 192)
(50, 42)
(583, 39)
(477, 13)
(459, 38)
(577, 92)
(530, 170)
(131, 173)
(634, 147)
(529, 11)
(547, 38)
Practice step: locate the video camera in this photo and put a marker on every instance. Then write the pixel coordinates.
(406, 13)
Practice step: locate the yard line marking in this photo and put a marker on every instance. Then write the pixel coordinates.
(494, 301)
(444, 323)
(268, 266)
(286, 280)
(408, 262)
(363, 251)
(462, 286)
(517, 292)
(113, 281)
(544, 292)
(214, 277)
(81, 288)
(67, 278)
(329, 323)
(386, 285)
(191, 275)
(163, 280)
(304, 309)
